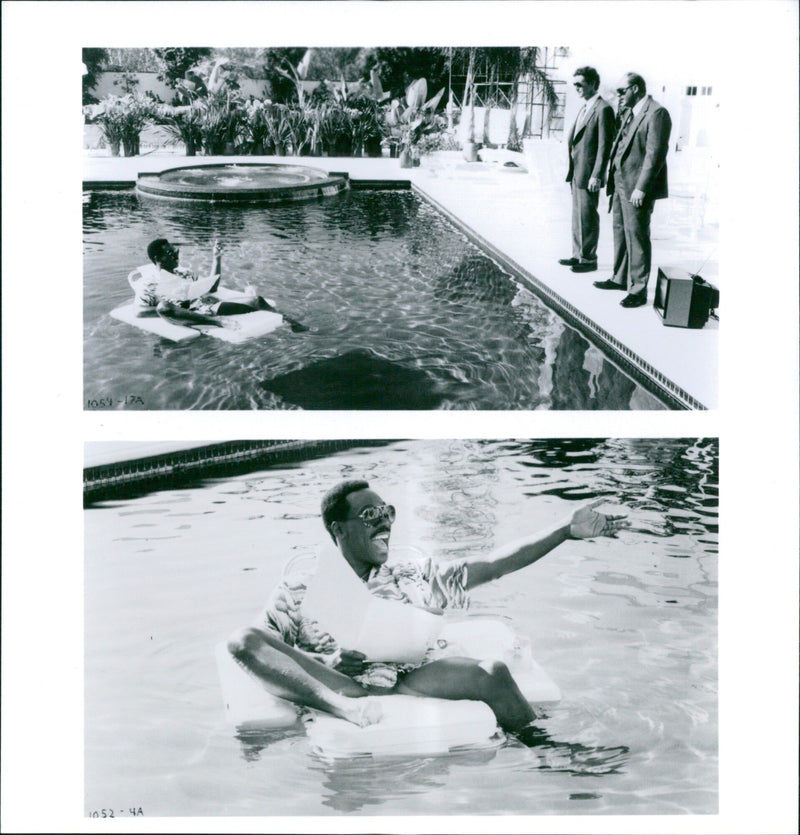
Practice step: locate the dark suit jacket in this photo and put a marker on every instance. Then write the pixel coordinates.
(641, 152)
(590, 145)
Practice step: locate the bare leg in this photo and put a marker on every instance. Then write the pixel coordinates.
(242, 306)
(466, 678)
(248, 304)
(290, 674)
(175, 312)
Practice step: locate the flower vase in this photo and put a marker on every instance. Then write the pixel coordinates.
(406, 160)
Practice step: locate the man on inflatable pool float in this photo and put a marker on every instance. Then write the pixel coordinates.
(295, 659)
(155, 290)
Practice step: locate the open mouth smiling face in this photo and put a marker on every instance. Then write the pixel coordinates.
(380, 541)
(367, 530)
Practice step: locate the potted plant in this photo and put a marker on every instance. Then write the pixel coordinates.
(367, 128)
(121, 120)
(298, 130)
(278, 127)
(183, 124)
(108, 118)
(255, 128)
(409, 123)
(221, 123)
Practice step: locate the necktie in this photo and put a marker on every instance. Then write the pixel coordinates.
(622, 132)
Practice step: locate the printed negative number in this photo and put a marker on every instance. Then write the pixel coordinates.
(110, 402)
(133, 811)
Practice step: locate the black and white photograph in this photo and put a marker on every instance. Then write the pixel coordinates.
(432, 227)
(378, 453)
(408, 627)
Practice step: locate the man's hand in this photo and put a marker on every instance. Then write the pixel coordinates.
(216, 250)
(595, 184)
(587, 522)
(637, 198)
(351, 663)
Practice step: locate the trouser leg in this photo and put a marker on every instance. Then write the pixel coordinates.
(587, 221)
(576, 223)
(636, 223)
(620, 244)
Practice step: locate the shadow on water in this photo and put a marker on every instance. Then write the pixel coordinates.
(572, 757)
(359, 379)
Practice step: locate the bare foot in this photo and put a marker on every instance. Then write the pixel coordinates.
(362, 712)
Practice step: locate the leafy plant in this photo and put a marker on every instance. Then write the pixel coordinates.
(176, 60)
(93, 60)
(183, 124)
(408, 124)
(298, 129)
(255, 128)
(121, 120)
(297, 75)
(222, 122)
(278, 128)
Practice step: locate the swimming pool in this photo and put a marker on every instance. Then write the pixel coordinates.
(406, 314)
(627, 627)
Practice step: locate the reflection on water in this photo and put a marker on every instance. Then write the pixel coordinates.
(626, 626)
(378, 274)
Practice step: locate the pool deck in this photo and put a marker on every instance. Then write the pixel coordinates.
(523, 219)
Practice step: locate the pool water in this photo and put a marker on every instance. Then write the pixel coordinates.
(627, 627)
(405, 313)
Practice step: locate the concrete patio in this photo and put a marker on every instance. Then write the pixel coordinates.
(523, 219)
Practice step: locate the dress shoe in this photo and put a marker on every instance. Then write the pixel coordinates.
(608, 284)
(635, 299)
(584, 268)
(568, 262)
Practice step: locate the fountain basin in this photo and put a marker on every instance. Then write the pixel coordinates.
(242, 183)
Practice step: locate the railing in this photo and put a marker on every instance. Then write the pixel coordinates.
(224, 458)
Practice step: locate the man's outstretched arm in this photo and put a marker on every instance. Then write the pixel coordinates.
(584, 523)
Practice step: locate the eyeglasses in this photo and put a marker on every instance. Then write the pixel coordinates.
(578, 84)
(372, 515)
(625, 90)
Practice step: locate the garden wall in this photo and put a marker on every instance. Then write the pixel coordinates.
(111, 84)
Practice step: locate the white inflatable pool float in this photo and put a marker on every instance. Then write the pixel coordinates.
(236, 329)
(411, 726)
(239, 328)
(387, 630)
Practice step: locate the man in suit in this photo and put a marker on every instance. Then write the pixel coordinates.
(637, 177)
(589, 147)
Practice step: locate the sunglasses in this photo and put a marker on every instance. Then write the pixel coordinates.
(621, 92)
(373, 515)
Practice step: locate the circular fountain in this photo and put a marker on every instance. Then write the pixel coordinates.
(242, 183)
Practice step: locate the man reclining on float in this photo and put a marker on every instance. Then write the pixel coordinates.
(296, 659)
(177, 294)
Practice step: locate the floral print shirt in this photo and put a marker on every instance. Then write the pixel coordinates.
(424, 583)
